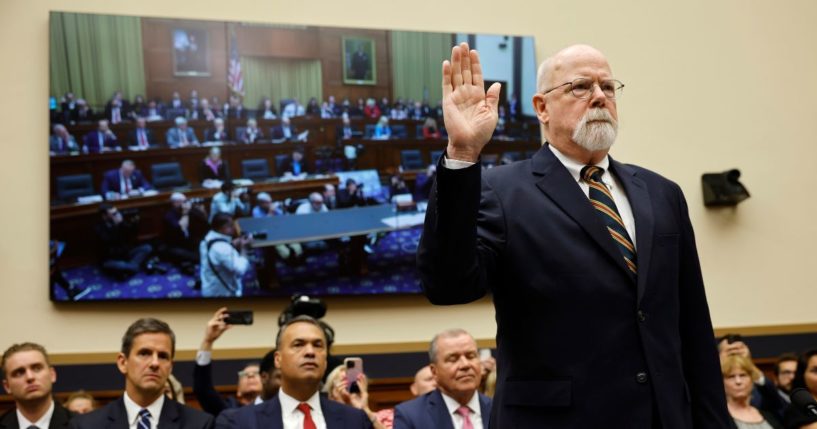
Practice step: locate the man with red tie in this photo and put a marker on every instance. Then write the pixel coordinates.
(301, 350)
(142, 137)
(100, 140)
(124, 181)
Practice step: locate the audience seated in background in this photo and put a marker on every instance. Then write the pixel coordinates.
(153, 112)
(345, 130)
(301, 355)
(430, 129)
(385, 107)
(288, 252)
(117, 108)
(292, 109)
(371, 110)
(266, 110)
(424, 182)
(28, 378)
(146, 361)
(382, 131)
(181, 135)
(284, 131)
(176, 106)
(398, 111)
(739, 373)
(233, 109)
(355, 395)
(138, 107)
(397, 186)
(120, 254)
(100, 140)
(126, 181)
(62, 142)
(184, 226)
(419, 111)
(207, 112)
(213, 167)
(80, 402)
(330, 197)
(313, 108)
(142, 137)
(351, 195)
(805, 378)
(193, 104)
(231, 200)
(84, 112)
(248, 390)
(314, 205)
(424, 381)
(174, 389)
(335, 109)
(295, 165)
(784, 369)
(455, 363)
(251, 133)
(223, 259)
(218, 133)
(764, 394)
(68, 108)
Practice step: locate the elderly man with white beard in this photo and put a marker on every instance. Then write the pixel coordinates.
(602, 318)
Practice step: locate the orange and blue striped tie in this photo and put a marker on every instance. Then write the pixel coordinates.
(602, 201)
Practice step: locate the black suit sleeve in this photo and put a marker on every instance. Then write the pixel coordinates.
(462, 237)
(205, 392)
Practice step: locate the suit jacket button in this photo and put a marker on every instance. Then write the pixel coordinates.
(641, 377)
(641, 316)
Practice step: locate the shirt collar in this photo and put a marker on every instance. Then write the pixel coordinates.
(289, 404)
(44, 421)
(132, 409)
(575, 168)
(473, 405)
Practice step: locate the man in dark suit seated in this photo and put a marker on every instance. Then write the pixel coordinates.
(124, 182)
(184, 225)
(301, 350)
(285, 131)
(146, 361)
(28, 377)
(117, 108)
(295, 165)
(251, 133)
(351, 195)
(181, 135)
(119, 252)
(62, 142)
(456, 403)
(142, 137)
(100, 140)
(218, 133)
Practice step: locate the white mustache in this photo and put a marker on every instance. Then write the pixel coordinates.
(599, 114)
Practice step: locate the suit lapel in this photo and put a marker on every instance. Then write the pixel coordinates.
(485, 409)
(9, 420)
(60, 417)
(169, 417)
(557, 183)
(118, 415)
(334, 420)
(639, 198)
(438, 412)
(269, 415)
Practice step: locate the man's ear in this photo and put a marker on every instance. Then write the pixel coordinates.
(277, 359)
(6, 385)
(121, 363)
(540, 107)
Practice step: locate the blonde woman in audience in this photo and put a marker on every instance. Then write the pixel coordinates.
(337, 388)
(80, 402)
(739, 375)
(174, 389)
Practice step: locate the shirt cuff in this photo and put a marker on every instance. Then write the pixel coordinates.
(203, 358)
(455, 164)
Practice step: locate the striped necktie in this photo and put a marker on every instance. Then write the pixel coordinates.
(144, 419)
(602, 201)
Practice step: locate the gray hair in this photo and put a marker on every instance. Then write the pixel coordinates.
(448, 333)
(180, 120)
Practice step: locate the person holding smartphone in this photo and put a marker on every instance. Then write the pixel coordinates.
(348, 385)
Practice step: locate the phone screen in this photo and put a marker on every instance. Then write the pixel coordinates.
(354, 367)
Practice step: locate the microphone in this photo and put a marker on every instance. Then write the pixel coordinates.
(802, 399)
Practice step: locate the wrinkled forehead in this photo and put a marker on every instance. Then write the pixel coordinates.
(579, 61)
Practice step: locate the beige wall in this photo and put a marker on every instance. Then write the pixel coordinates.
(710, 86)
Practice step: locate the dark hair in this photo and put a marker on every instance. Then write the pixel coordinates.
(228, 185)
(800, 373)
(147, 325)
(219, 220)
(104, 207)
(785, 357)
(298, 319)
(267, 363)
(22, 347)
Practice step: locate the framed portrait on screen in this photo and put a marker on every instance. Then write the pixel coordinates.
(359, 61)
(191, 52)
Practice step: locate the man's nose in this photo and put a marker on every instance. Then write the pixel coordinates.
(597, 97)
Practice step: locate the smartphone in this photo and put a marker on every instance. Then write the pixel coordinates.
(354, 367)
(733, 338)
(239, 317)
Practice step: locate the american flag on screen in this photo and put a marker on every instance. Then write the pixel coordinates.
(235, 79)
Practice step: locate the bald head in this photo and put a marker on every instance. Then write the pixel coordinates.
(552, 69)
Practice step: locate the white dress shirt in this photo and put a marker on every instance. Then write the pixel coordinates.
(43, 423)
(293, 417)
(575, 168)
(456, 418)
(132, 410)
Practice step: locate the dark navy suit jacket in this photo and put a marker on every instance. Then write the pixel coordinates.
(581, 342)
(267, 415)
(91, 141)
(114, 416)
(429, 411)
(110, 181)
(59, 420)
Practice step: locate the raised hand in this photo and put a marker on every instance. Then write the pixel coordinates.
(215, 327)
(470, 112)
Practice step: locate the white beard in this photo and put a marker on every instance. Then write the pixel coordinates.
(596, 131)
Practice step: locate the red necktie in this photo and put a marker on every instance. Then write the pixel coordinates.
(308, 422)
(143, 142)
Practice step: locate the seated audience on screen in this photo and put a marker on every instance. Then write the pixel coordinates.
(153, 112)
(284, 131)
(397, 186)
(292, 109)
(218, 133)
(326, 111)
(142, 137)
(68, 108)
(266, 110)
(184, 226)
(290, 252)
(424, 381)
(351, 195)
(345, 130)
(295, 165)
(62, 142)
(338, 389)
(764, 393)
(207, 112)
(193, 105)
(120, 254)
(174, 390)
(424, 182)
(234, 109)
(137, 108)
(117, 108)
(430, 129)
(330, 197)
(176, 106)
(146, 361)
(333, 107)
(213, 167)
(251, 133)
(739, 374)
(231, 200)
(301, 355)
(84, 112)
(313, 108)
(454, 361)
(419, 111)
(249, 387)
(126, 181)
(805, 377)
(398, 111)
(181, 135)
(28, 378)
(784, 369)
(80, 402)
(385, 106)
(100, 140)
(314, 205)
(382, 131)
(371, 110)
(223, 259)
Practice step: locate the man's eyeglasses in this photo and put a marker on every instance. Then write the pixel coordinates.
(247, 374)
(583, 88)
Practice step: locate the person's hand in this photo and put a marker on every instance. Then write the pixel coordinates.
(215, 327)
(488, 365)
(356, 400)
(470, 112)
(737, 348)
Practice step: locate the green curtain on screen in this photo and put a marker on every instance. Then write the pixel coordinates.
(279, 79)
(416, 63)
